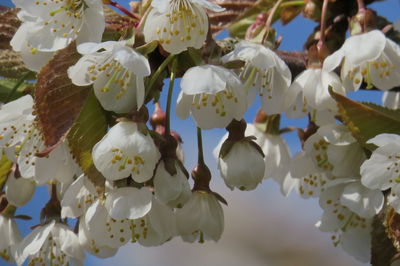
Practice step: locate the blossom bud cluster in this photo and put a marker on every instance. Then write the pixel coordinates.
(137, 188)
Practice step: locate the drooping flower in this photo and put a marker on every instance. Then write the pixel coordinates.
(173, 190)
(370, 57)
(213, 95)
(125, 151)
(242, 166)
(264, 73)
(381, 170)
(58, 23)
(10, 237)
(201, 218)
(50, 244)
(156, 227)
(19, 191)
(310, 91)
(178, 24)
(116, 72)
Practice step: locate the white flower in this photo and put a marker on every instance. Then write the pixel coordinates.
(10, 237)
(156, 227)
(201, 218)
(55, 24)
(173, 190)
(334, 150)
(87, 241)
(125, 151)
(213, 95)
(352, 232)
(310, 91)
(78, 197)
(381, 170)
(178, 24)
(265, 73)
(116, 72)
(391, 99)
(104, 230)
(51, 244)
(243, 166)
(19, 191)
(369, 56)
(128, 202)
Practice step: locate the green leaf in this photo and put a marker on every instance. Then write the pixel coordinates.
(88, 129)
(366, 120)
(6, 86)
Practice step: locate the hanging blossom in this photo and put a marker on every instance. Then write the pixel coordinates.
(116, 72)
(10, 237)
(19, 191)
(381, 170)
(202, 218)
(391, 99)
(126, 151)
(178, 24)
(51, 244)
(370, 57)
(213, 95)
(171, 189)
(351, 231)
(264, 73)
(21, 140)
(309, 91)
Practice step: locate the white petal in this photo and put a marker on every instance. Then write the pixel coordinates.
(19, 191)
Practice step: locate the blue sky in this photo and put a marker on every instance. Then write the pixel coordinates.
(294, 35)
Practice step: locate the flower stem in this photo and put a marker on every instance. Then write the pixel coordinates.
(323, 23)
(123, 9)
(361, 5)
(293, 3)
(169, 99)
(158, 72)
(269, 20)
(200, 147)
(16, 86)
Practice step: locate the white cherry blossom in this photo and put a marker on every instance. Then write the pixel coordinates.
(19, 191)
(381, 170)
(116, 72)
(156, 227)
(243, 167)
(264, 73)
(173, 190)
(125, 151)
(310, 91)
(55, 24)
(178, 24)
(213, 95)
(53, 243)
(202, 218)
(370, 57)
(10, 237)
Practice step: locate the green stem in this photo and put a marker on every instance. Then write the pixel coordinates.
(200, 147)
(169, 99)
(158, 72)
(323, 22)
(16, 86)
(293, 3)
(269, 20)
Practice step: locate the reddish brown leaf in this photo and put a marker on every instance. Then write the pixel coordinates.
(9, 24)
(58, 101)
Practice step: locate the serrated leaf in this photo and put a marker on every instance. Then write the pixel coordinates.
(58, 101)
(11, 64)
(5, 168)
(88, 129)
(366, 120)
(6, 86)
(9, 24)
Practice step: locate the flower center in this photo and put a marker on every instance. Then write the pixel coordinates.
(135, 162)
(49, 252)
(321, 156)
(139, 229)
(394, 167)
(216, 101)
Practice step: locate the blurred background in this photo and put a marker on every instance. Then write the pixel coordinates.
(262, 227)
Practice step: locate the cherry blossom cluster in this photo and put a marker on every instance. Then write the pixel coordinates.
(146, 196)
